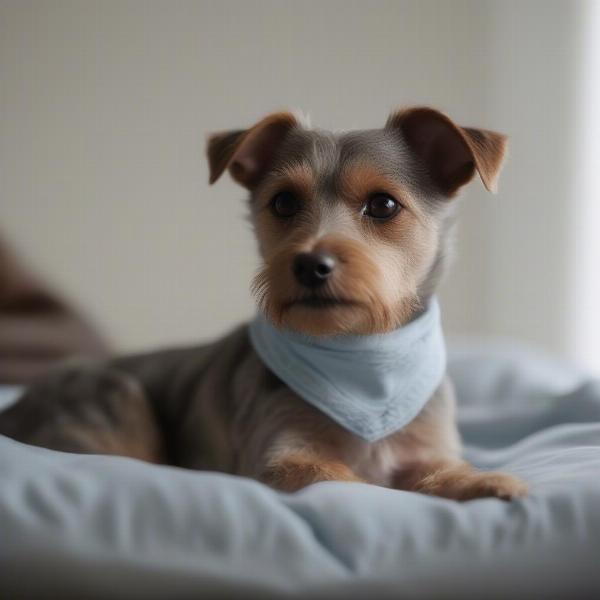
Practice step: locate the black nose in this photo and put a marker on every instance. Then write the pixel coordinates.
(313, 268)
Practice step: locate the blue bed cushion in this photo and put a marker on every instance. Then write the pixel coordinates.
(98, 526)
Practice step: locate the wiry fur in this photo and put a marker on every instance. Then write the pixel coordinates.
(218, 406)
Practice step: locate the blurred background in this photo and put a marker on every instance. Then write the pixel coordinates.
(104, 109)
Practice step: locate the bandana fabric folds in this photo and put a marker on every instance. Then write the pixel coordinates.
(372, 385)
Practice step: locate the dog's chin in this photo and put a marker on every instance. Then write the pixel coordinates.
(324, 317)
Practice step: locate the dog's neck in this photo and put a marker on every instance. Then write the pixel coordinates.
(372, 385)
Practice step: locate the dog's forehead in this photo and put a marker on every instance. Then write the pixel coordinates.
(381, 147)
(329, 154)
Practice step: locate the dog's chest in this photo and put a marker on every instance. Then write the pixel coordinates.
(379, 462)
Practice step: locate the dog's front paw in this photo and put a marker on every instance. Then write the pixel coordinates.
(493, 485)
(465, 483)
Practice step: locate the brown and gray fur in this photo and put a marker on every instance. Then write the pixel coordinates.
(218, 407)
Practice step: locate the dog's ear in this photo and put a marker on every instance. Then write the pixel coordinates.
(451, 153)
(247, 153)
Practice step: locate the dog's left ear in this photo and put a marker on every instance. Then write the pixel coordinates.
(247, 153)
(451, 154)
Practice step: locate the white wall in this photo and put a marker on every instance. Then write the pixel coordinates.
(104, 107)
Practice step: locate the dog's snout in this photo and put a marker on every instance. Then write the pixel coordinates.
(312, 269)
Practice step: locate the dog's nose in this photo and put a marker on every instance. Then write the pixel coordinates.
(312, 269)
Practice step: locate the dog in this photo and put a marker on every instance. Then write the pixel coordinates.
(342, 375)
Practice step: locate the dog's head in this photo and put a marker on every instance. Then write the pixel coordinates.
(352, 227)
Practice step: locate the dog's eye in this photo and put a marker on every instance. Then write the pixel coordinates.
(381, 206)
(285, 204)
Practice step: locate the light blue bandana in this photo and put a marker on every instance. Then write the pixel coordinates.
(372, 385)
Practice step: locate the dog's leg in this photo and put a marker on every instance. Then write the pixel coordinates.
(294, 461)
(293, 471)
(458, 480)
(86, 410)
(429, 453)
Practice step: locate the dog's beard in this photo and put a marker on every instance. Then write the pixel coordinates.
(358, 300)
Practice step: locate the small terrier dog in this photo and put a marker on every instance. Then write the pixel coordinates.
(353, 229)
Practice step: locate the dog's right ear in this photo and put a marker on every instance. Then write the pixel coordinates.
(247, 153)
